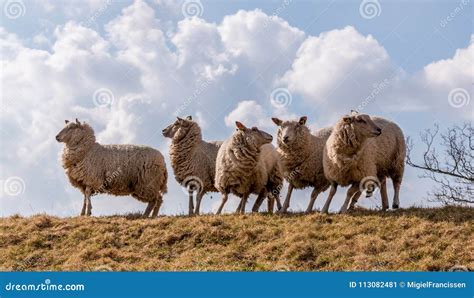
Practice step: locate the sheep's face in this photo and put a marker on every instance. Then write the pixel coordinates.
(288, 131)
(179, 128)
(253, 136)
(73, 132)
(362, 125)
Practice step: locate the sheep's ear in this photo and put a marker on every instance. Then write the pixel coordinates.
(303, 120)
(179, 119)
(354, 112)
(189, 118)
(240, 125)
(277, 121)
(66, 121)
(347, 119)
(77, 122)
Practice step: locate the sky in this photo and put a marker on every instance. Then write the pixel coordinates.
(129, 67)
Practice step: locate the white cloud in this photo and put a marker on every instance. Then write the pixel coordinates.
(71, 9)
(439, 81)
(454, 72)
(342, 70)
(338, 67)
(204, 68)
(255, 35)
(250, 113)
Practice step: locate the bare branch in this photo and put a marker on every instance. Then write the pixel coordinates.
(454, 174)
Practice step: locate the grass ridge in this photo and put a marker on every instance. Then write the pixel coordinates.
(423, 239)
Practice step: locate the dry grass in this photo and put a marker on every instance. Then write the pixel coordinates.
(409, 239)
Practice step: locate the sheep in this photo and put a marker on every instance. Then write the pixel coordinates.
(301, 154)
(247, 163)
(362, 151)
(192, 159)
(113, 169)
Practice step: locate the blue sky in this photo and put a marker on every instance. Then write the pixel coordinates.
(150, 58)
(404, 28)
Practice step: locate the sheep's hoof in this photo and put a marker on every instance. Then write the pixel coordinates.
(395, 206)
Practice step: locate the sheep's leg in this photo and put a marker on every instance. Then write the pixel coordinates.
(158, 203)
(270, 203)
(277, 199)
(88, 194)
(148, 209)
(243, 203)
(224, 200)
(191, 203)
(396, 196)
(286, 204)
(332, 192)
(354, 200)
(84, 205)
(198, 202)
(258, 201)
(314, 195)
(383, 194)
(351, 193)
(238, 207)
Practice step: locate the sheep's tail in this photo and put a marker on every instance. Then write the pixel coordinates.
(276, 180)
(399, 158)
(161, 172)
(164, 183)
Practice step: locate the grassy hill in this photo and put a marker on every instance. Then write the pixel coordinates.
(408, 239)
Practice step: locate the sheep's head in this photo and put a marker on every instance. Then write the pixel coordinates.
(179, 128)
(74, 132)
(253, 136)
(289, 131)
(361, 125)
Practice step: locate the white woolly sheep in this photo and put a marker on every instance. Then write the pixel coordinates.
(301, 154)
(246, 163)
(192, 159)
(362, 151)
(118, 170)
